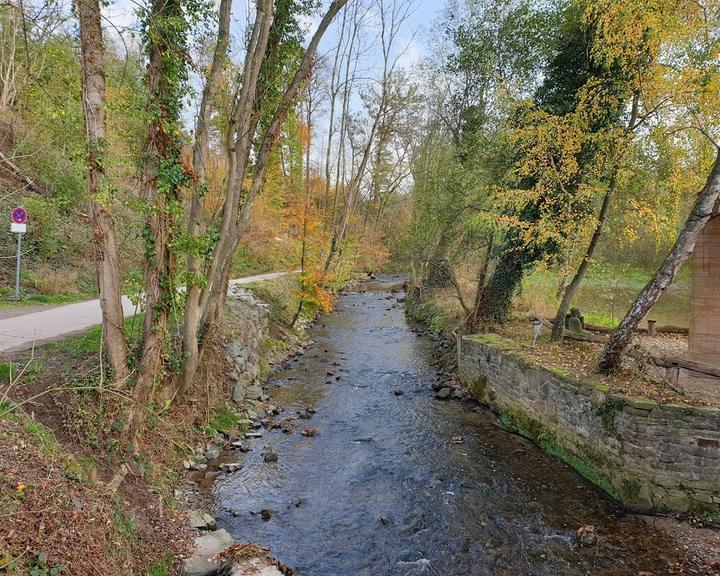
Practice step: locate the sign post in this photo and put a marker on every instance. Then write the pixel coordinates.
(18, 226)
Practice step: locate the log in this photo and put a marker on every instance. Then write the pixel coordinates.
(658, 329)
(14, 170)
(674, 363)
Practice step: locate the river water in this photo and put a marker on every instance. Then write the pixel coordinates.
(382, 490)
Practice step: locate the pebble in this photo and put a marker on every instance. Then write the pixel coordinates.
(398, 392)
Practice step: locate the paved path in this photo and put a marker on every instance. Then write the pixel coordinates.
(19, 332)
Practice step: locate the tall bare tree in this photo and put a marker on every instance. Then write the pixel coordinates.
(392, 15)
(241, 133)
(195, 220)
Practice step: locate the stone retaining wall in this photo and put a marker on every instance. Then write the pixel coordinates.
(649, 456)
(244, 347)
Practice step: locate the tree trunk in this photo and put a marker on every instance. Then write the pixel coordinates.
(107, 260)
(474, 319)
(571, 288)
(684, 245)
(498, 293)
(191, 320)
(163, 148)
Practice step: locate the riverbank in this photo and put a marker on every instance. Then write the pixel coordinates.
(59, 432)
(650, 456)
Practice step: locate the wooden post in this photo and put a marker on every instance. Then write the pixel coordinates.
(651, 327)
(672, 374)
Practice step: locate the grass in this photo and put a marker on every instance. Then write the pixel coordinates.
(601, 319)
(605, 294)
(163, 568)
(124, 525)
(7, 370)
(41, 436)
(280, 295)
(223, 418)
(37, 299)
(89, 341)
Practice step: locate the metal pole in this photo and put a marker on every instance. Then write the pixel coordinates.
(17, 267)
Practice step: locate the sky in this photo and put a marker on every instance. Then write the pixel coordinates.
(120, 17)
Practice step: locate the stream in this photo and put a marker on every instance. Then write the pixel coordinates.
(383, 490)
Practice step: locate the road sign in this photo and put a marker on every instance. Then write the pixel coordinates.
(19, 215)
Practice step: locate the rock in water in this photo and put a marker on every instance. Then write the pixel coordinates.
(586, 534)
(444, 393)
(270, 456)
(398, 392)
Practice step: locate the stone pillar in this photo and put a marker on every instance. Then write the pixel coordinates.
(704, 342)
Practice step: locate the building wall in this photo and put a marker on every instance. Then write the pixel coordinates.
(704, 342)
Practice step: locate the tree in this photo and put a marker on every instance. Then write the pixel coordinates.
(195, 224)
(702, 211)
(99, 188)
(245, 119)
(548, 195)
(166, 27)
(627, 39)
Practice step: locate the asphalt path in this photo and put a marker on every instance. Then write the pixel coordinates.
(20, 332)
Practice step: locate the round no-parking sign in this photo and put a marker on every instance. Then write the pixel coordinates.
(19, 215)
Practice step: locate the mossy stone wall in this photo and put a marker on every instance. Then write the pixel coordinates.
(649, 456)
